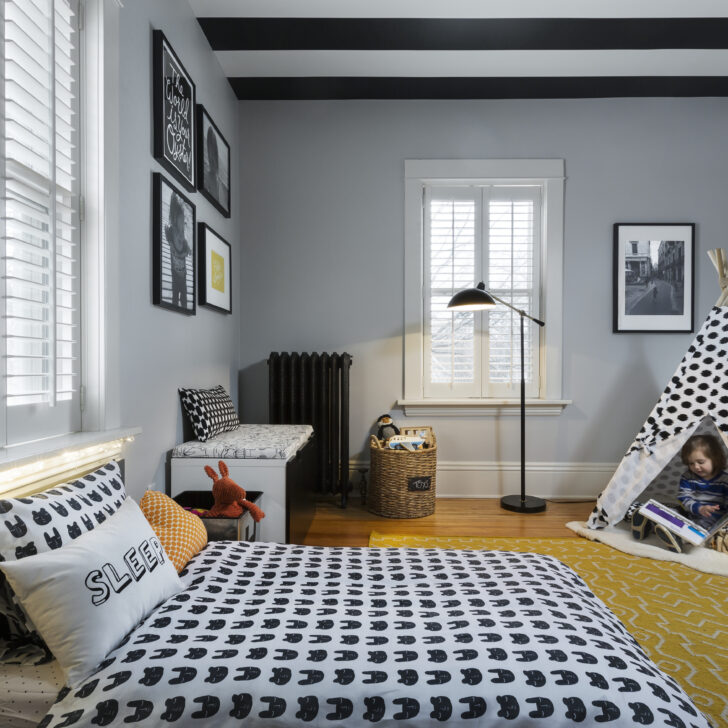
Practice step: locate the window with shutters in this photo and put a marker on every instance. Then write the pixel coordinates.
(495, 221)
(40, 226)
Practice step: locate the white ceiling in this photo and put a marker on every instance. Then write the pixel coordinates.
(265, 64)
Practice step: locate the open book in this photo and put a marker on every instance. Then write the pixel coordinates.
(681, 523)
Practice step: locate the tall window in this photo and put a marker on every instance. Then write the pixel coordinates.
(488, 233)
(499, 221)
(40, 236)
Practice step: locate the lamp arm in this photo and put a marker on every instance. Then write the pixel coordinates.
(517, 310)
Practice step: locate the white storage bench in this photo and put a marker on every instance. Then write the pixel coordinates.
(275, 459)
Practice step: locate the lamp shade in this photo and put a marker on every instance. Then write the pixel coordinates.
(472, 299)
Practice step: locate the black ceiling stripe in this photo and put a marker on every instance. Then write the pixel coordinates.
(463, 34)
(301, 88)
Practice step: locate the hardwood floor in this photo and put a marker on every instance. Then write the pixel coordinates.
(351, 526)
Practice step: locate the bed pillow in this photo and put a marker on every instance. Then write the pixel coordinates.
(86, 597)
(46, 521)
(210, 411)
(182, 533)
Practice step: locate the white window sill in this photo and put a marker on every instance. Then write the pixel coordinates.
(480, 407)
(55, 457)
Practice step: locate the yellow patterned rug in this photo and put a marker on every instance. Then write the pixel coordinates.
(677, 614)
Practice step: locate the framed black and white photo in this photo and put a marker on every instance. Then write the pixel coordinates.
(214, 267)
(213, 162)
(653, 277)
(174, 114)
(174, 248)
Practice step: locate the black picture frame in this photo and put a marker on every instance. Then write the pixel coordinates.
(214, 270)
(653, 277)
(175, 140)
(213, 162)
(173, 276)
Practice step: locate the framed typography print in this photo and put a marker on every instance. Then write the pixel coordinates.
(173, 248)
(653, 277)
(214, 267)
(213, 162)
(174, 113)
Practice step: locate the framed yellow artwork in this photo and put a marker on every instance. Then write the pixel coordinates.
(214, 270)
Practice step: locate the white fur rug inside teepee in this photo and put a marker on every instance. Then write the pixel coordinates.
(620, 538)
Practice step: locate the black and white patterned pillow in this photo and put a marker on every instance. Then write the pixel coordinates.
(46, 521)
(210, 411)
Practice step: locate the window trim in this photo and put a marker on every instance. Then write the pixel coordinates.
(550, 174)
(100, 398)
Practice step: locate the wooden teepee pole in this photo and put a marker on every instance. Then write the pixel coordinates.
(717, 256)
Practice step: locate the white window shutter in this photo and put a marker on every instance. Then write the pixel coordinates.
(473, 233)
(451, 356)
(513, 250)
(40, 219)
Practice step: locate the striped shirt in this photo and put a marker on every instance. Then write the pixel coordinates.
(695, 492)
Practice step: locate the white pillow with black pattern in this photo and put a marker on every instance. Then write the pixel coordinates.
(210, 411)
(46, 521)
(87, 596)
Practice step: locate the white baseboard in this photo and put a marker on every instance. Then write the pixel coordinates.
(475, 479)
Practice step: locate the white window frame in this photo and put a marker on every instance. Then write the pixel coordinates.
(99, 175)
(549, 174)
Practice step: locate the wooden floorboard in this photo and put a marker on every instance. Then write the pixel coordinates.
(351, 526)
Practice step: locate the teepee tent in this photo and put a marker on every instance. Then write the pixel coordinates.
(694, 402)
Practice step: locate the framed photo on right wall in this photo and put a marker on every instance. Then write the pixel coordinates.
(653, 277)
(214, 270)
(213, 162)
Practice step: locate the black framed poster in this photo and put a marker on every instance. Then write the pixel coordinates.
(174, 114)
(653, 275)
(174, 248)
(213, 162)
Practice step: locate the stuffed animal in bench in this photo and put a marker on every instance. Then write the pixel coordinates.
(230, 501)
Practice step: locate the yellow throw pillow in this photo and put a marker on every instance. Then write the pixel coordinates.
(182, 533)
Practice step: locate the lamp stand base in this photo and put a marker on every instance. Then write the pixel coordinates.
(530, 504)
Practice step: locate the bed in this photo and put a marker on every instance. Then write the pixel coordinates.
(273, 635)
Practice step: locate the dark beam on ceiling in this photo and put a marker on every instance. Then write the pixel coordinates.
(463, 34)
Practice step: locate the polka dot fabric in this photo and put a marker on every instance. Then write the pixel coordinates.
(695, 401)
(182, 533)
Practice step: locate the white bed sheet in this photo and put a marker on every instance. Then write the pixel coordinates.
(27, 693)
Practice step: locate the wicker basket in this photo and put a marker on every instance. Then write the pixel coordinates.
(401, 482)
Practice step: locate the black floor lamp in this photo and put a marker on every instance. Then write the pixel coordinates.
(478, 299)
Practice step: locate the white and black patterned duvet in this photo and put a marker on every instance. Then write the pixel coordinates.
(284, 635)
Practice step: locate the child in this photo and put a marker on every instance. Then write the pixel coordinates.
(703, 489)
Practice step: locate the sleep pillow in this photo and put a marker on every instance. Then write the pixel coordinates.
(210, 411)
(45, 521)
(85, 597)
(182, 533)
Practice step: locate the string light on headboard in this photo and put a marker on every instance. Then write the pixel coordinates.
(61, 466)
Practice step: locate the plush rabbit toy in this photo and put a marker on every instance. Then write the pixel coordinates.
(230, 501)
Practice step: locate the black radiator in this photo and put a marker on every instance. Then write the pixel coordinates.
(313, 389)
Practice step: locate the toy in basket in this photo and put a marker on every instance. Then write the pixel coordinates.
(402, 481)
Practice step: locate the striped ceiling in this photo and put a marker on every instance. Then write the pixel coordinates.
(468, 49)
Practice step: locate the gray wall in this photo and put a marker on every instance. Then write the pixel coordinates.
(161, 350)
(321, 201)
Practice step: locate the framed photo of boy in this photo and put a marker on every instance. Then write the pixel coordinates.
(174, 248)
(174, 113)
(214, 267)
(653, 277)
(213, 162)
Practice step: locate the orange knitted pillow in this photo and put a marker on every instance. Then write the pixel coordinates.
(182, 533)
